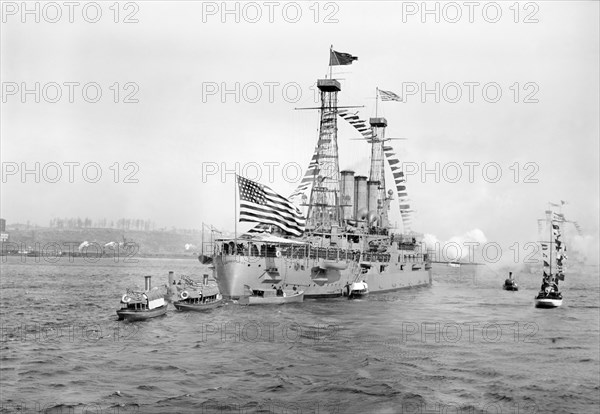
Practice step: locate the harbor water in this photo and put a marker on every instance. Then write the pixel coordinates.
(463, 345)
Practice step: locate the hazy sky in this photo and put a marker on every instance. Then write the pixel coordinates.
(180, 56)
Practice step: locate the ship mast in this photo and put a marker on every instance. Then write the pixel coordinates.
(549, 243)
(324, 204)
(551, 246)
(376, 184)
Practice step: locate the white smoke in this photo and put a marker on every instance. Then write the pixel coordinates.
(583, 248)
(475, 235)
(474, 247)
(430, 241)
(83, 245)
(457, 247)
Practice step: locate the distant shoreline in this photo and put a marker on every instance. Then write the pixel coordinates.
(99, 242)
(100, 256)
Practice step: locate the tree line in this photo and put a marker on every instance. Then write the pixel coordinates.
(120, 224)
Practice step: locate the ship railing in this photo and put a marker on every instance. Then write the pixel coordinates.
(404, 238)
(302, 252)
(412, 258)
(408, 246)
(377, 231)
(376, 257)
(316, 253)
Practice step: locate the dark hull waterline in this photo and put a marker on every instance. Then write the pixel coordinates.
(140, 315)
(197, 307)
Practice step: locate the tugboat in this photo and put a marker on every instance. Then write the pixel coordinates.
(138, 306)
(194, 296)
(510, 283)
(272, 297)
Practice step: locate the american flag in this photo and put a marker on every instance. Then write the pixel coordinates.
(260, 204)
(389, 96)
(260, 228)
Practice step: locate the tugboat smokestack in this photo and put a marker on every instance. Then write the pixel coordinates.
(148, 282)
(171, 290)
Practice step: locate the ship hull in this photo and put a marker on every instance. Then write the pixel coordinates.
(272, 300)
(141, 315)
(548, 303)
(235, 274)
(197, 307)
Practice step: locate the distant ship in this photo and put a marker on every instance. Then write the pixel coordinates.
(510, 283)
(553, 252)
(347, 236)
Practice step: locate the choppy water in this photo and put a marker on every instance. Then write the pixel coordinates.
(462, 345)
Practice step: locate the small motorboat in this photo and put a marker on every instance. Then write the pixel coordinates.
(189, 295)
(138, 306)
(272, 297)
(548, 297)
(197, 301)
(510, 283)
(357, 289)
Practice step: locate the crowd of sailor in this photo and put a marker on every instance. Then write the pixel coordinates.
(245, 248)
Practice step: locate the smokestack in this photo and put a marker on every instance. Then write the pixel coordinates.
(171, 289)
(205, 279)
(148, 282)
(348, 194)
(373, 190)
(360, 195)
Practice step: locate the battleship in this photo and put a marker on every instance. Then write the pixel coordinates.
(348, 236)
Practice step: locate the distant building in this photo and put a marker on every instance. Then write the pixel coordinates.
(3, 233)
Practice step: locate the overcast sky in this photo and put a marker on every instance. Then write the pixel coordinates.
(542, 131)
